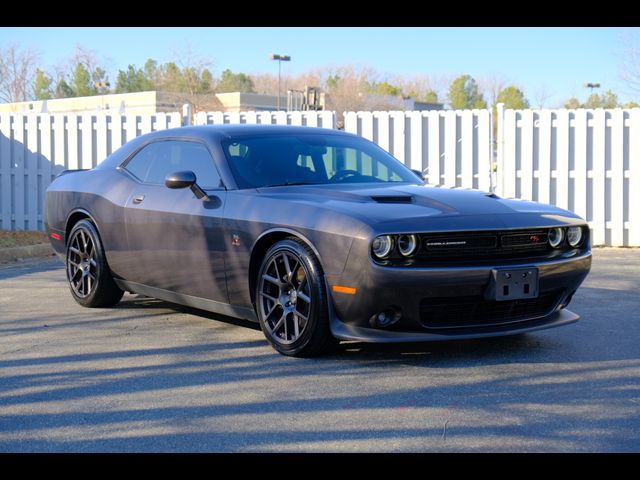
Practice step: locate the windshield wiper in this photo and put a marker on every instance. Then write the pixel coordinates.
(288, 184)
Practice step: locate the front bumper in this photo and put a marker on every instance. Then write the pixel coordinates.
(409, 289)
(344, 331)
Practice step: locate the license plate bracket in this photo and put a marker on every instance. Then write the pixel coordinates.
(512, 284)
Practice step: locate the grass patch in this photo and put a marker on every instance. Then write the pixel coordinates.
(21, 238)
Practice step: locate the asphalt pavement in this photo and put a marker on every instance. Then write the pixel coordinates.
(148, 376)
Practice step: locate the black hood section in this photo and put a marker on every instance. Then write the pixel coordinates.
(405, 207)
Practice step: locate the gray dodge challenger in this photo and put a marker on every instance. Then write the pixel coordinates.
(316, 234)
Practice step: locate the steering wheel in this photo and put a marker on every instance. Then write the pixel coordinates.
(342, 174)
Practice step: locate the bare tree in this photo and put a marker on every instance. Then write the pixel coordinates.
(95, 65)
(193, 65)
(87, 57)
(17, 72)
(542, 95)
(492, 85)
(348, 87)
(266, 83)
(422, 87)
(630, 68)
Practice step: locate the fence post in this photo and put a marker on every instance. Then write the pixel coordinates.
(500, 148)
(186, 114)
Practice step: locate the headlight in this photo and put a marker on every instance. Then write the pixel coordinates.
(382, 246)
(574, 236)
(407, 244)
(556, 235)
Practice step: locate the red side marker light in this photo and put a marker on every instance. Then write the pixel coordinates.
(55, 236)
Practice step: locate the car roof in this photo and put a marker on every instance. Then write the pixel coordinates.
(212, 133)
(241, 130)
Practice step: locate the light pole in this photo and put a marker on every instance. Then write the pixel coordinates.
(280, 59)
(591, 86)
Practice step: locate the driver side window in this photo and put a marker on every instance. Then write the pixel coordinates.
(154, 162)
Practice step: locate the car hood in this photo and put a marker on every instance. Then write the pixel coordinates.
(406, 207)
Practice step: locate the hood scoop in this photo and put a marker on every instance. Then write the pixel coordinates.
(392, 198)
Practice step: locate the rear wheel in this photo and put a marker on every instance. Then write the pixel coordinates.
(90, 280)
(291, 300)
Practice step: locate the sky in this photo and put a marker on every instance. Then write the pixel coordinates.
(557, 59)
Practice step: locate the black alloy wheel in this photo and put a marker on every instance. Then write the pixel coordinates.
(291, 300)
(90, 279)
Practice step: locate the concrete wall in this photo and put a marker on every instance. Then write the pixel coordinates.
(124, 103)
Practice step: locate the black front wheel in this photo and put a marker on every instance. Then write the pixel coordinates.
(90, 280)
(291, 300)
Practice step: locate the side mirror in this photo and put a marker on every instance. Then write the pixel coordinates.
(180, 180)
(183, 180)
(418, 173)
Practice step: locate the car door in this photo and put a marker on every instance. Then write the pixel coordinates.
(175, 239)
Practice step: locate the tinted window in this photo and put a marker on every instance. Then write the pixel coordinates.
(269, 160)
(154, 162)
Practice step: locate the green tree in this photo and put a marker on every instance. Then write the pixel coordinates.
(132, 80)
(100, 81)
(42, 86)
(594, 101)
(333, 81)
(171, 78)
(631, 105)
(63, 90)
(431, 96)
(573, 102)
(81, 82)
(464, 93)
(609, 99)
(385, 88)
(234, 82)
(151, 70)
(168, 77)
(512, 97)
(206, 81)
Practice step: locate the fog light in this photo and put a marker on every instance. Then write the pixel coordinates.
(385, 318)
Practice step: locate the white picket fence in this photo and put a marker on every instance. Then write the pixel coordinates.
(34, 148)
(451, 147)
(587, 161)
(322, 119)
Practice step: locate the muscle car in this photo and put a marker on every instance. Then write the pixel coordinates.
(317, 234)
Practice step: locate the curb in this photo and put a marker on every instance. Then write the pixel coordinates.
(20, 253)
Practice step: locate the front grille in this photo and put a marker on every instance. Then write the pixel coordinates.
(475, 311)
(478, 245)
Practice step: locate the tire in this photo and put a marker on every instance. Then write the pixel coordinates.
(291, 300)
(88, 274)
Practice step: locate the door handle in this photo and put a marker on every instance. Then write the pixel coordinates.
(138, 199)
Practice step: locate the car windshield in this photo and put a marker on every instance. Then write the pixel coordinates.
(314, 159)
